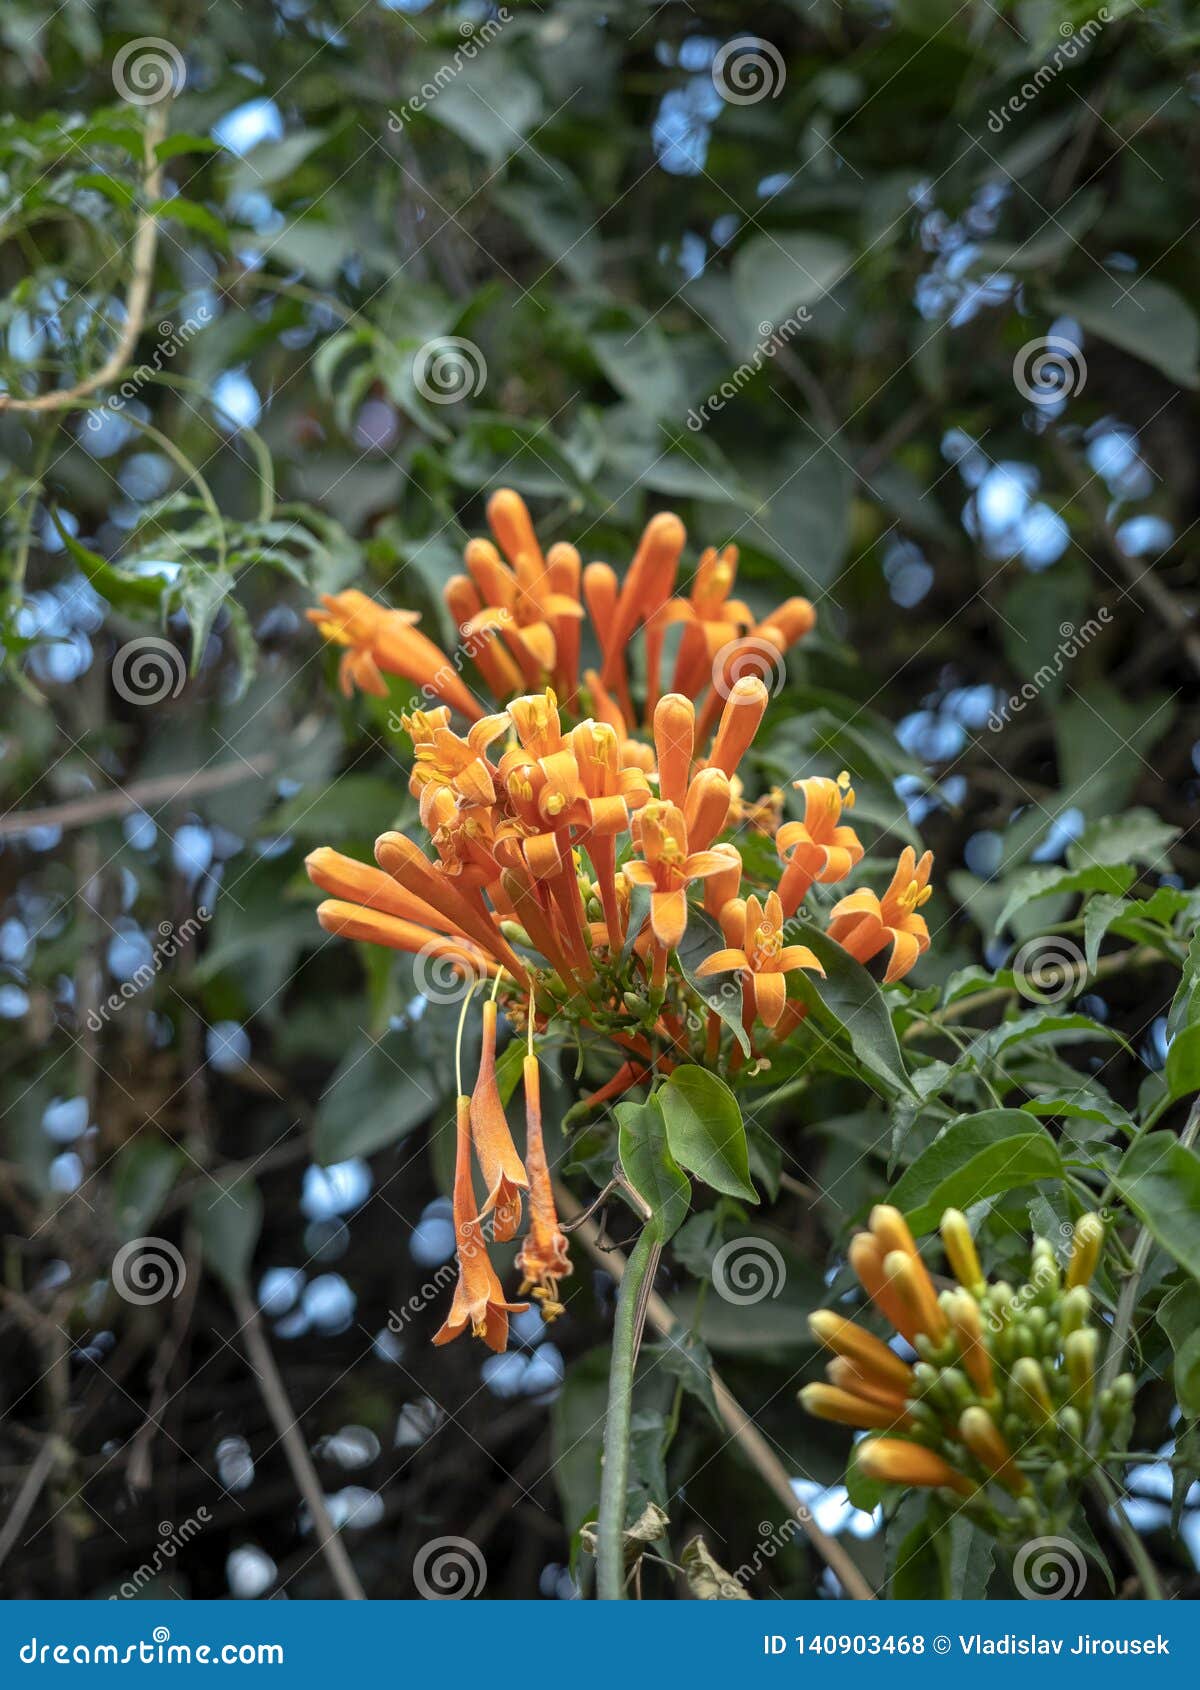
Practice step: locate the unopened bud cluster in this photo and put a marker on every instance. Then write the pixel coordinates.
(1001, 1404)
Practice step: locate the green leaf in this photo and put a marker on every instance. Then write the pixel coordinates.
(1183, 1062)
(133, 593)
(373, 1099)
(1098, 916)
(649, 1166)
(1179, 1317)
(776, 274)
(144, 1171)
(705, 1132)
(687, 1359)
(1139, 836)
(1036, 883)
(228, 1217)
(1181, 1010)
(1141, 316)
(975, 1157)
(852, 1001)
(1160, 1180)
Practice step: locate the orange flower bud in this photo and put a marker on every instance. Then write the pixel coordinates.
(895, 1461)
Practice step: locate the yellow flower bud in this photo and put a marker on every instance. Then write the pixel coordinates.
(1031, 1386)
(965, 1323)
(828, 1402)
(960, 1251)
(1080, 1351)
(982, 1437)
(1085, 1252)
(908, 1279)
(867, 1352)
(894, 1461)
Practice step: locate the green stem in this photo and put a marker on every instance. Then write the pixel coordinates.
(614, 1483)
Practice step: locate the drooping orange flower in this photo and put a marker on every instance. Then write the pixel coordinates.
(818, 848)
(754, 934)
(479, 1301)
(503, 1170)
(382, 642)
(864, 924)
(543, 1259)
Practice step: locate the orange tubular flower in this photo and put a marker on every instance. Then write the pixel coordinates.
(667, 868)
(503, 1170)
(755, 937)
(543, 1260)
(710, 620)
(646, 588)
(864, 924)
(479, 1300)
(376, 927)
(362, 883)
(387, 642)
(817, 848)
(741, 717)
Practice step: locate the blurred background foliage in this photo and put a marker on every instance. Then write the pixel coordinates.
(614, 240)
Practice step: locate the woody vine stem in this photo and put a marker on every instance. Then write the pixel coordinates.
(627, 1331)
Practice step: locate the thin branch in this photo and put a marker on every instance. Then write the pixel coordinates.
(274, 1395)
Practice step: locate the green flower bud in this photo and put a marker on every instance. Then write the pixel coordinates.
(1080, 1352)
(1074, 1309)
(1032, 1395)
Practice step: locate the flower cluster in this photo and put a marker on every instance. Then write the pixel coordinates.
(575, 839)
(572, 838)
(1002, 1390)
